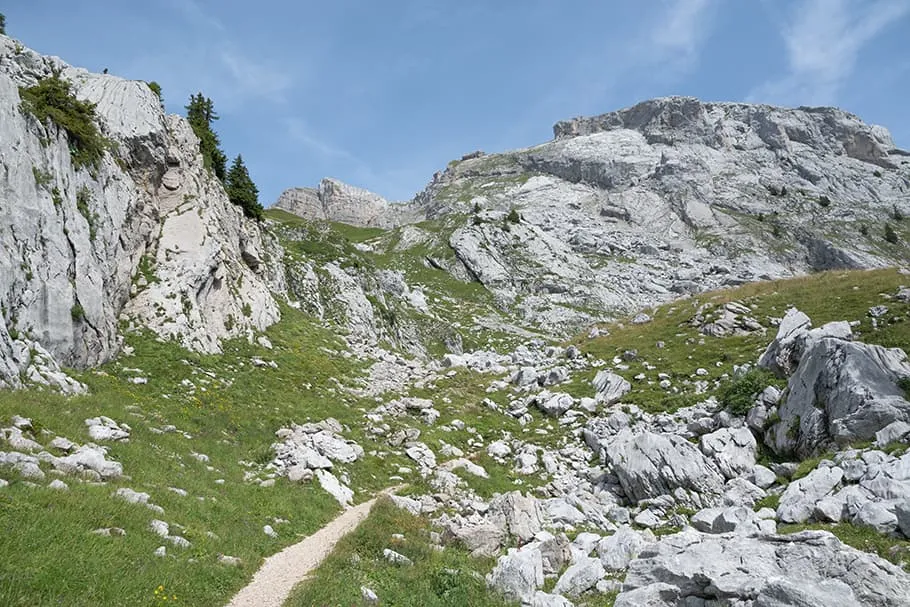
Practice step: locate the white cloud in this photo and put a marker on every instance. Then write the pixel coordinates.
(256, 79)
(823, 39)
(679, 31)
(300, 131)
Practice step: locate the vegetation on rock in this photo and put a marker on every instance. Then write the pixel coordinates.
(200, 113)
(52, 99)
(241, 190)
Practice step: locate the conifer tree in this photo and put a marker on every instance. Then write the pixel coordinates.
(241, 190)
(201, 114)
(2, 24)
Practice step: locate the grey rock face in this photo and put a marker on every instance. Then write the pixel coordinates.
(521, 516)
(85, 232)
(651, 465)
(799, 569)
(333, 200)
(841, 392)
(798, 500)
(518, 574)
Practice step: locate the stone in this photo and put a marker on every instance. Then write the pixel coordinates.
(798, 500)
(482, 540)
(610, 387)
(58, 485)
(544, 599)
(556, 553)
(618, 550)
(733, 450)
(892, 433)
(230, 561)
(269, 531)
(841, 392)
(369, 596)
(105, 429)
(160, 551)
(518, 574)
(396, 558)
(422, 455)
(331, 485)
(520, 516)
(762, 569)
(878, 516)
(650, 465)
(902, 512)
(554, 405)
(580, 577)
(499, 449)
(763, 477)
(407, 503)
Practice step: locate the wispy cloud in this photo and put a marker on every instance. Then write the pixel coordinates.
(301, 132)
(679, 31)
(254, 78)
(823, 39)
(192, 11)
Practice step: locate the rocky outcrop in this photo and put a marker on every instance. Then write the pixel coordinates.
(333, 200)
(74, 241)
(840, 391)
(808, 568)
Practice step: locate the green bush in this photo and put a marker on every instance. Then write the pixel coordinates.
(77, 312)
(42, 177)
(890, 234)
(738, 395)
(514, 216)
(156, 88)
(824, 201)
(53, 99)
(904, 384)
(83, 199)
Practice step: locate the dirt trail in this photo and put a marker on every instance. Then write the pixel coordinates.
(272, 584)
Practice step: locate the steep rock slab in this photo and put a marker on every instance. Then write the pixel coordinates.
(651, 465)
(334, 200)
(808, 568)
(841, 392)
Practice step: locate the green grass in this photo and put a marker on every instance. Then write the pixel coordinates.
(437, 579)
(825, 297)
(50, 554)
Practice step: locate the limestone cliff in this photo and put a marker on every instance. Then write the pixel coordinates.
(73, 241)
(333, 200)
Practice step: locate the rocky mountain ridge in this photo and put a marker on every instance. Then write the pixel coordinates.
(669, 197)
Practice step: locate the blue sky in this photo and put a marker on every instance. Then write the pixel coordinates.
(382, 94)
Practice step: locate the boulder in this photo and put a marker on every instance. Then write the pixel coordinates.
(650, 465)
(579, 577)
(518, 574)
(798, 501)
(733, 450)
(610, 387)
(520, 516)
(618, 550)
(842, 392)
(808, 568)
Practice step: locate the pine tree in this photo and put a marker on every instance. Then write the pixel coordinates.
(200, 113)
(2, 24)
(242, 191)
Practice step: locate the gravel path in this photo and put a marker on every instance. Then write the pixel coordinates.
(272, 584)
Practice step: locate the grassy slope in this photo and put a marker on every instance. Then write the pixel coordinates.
(824, 297)
(437, 579)
(56, 558)
(235, 421)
